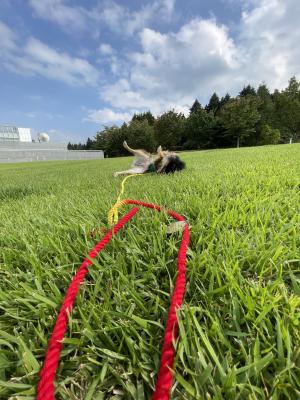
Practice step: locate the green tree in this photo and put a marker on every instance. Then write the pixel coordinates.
(140, 135)
(239, 117)
(195, 107)
(199, 129)
(142, 116)
(266, 109)
(293, 87)
(89, 144)
(213, 104)
(263, 92)
(287, 111)
(269, 135)
(169, 130)
(247, 90)
(266, 106)
(252, 118)
(224, 100)
(110, 140)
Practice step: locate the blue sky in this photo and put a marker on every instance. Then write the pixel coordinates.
(70, 67)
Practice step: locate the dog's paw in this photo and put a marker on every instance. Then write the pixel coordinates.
(116, 174)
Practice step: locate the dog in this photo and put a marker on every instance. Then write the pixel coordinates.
(164, 162)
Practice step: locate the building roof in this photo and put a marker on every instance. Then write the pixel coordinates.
(9, 133)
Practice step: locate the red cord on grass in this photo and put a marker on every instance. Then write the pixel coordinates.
(45, 388)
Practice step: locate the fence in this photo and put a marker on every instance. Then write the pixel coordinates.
(27, 152)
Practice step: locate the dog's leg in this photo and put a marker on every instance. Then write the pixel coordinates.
(125, 145)
(127, 172)
(162, 165)
(159, 151)
(137, 153)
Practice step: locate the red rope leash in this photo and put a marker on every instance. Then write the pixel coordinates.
(45, 388)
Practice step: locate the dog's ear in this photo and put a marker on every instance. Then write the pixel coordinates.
(159, 151)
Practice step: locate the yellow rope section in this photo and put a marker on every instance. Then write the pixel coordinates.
(113, 215)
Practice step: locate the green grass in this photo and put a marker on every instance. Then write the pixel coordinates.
(240, 324)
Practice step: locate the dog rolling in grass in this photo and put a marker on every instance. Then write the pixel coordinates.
(164, 162)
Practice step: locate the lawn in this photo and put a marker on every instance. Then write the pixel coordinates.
(240, 323)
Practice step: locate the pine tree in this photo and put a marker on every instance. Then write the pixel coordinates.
(144, 116)
(169, 129)
(89, 144)
(225, 99)
(293, 88)
(287, 111)
(199, 129)
(195, 107)
(239, 117)
(213, 104)
(266, 109)
(247, 90)
(263, 92)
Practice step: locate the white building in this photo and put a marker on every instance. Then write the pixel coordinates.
(17, 145)
(25, 134)
(14, 134)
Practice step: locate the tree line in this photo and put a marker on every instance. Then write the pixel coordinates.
(252, 118)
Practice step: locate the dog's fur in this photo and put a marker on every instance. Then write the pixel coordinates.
(165, 162)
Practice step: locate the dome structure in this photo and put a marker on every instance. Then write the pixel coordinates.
(43, 137)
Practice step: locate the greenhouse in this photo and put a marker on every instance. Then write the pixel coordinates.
(14, 134)
(9, 134)
(18, 145)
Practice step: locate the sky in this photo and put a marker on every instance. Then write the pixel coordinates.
(71, 67)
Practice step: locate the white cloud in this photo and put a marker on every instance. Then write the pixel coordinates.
(30, 114)
(37, 58)
(42, 114)
(174, 68)
(115, 16)
(268, 43)
(57, 65)
(69, 18)
(106, 49)
(7, 37)
(34, 97)
(121, 19)
(59, 136)
(169, 69)
(107, 116)
(167, 7)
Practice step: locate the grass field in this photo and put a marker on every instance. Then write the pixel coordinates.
(240, 324)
